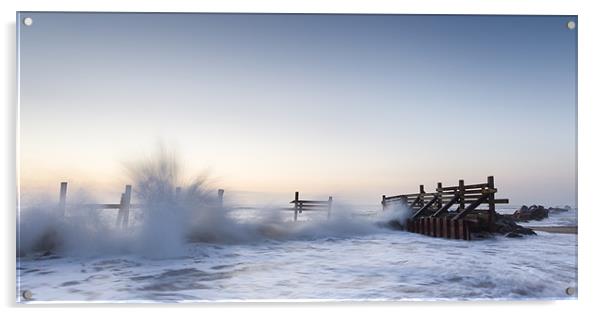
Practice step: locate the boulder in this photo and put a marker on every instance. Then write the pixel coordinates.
(533, 212)
(506, 224)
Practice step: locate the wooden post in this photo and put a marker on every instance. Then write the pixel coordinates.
(445, 228)
(220, 197)
(63, 198)
(421, 197)
(437, 226)
(120, 212)
(461, 229)
(491, 200)
(439, 195)
(329, 205)
(431, 226)
(127, 198)
(383, 202)
(296, 205)
(461, 189)
(453, 229)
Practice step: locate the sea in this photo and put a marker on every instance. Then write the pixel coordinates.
(345, 258)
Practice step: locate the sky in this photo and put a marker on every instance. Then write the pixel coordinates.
(354, 106)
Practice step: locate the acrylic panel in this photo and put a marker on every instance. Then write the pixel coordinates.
(190, 157)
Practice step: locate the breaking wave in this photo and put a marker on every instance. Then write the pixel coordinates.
(172, 213)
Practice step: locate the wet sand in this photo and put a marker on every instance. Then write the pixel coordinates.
(555, 229)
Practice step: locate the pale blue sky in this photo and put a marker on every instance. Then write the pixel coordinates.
(349, 105)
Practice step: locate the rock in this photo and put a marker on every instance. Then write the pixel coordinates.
(514, 235)
(533, 212)
(506, 224)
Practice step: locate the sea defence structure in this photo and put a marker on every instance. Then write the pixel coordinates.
(125, 205)
(449, 212)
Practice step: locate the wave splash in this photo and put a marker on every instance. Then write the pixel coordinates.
(173, 213)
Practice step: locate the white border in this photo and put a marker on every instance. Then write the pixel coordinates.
(589, 146)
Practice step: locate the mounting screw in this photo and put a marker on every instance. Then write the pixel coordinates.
(27, 295)
(28, 21)
(570, 291)
(571, 25)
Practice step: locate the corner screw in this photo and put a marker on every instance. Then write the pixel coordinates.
(571, 25)
(570, 291)
(27, 295)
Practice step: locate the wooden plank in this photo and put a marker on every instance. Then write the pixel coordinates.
(468, 186)
(127, 197)
(425, 207)
(491, 202)
(471, 207)
(462, 191)
(455, 228)
(439, 190)
(63, 199)
(436, 228)
(447, 205)
(461, 229)
(467, 225)
(120, 212)
(311, 202)
(445, 227)
(296, 205)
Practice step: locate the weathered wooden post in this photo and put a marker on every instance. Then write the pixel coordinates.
(220, 197)
(439, 195)
(461, 190)
(127, 199)
(296, 201)
(445, 228)
(421, 197)
(120, 212)
(453, 229)
(123, 216)
(491, 200)
(383, 203)
(63, 199)
(329, 206)
(461, 230)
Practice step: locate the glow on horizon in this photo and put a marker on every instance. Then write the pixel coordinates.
(355, 106)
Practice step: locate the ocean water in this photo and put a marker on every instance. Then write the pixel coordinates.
(333, 260)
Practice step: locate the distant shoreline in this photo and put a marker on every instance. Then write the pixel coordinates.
(555, 229)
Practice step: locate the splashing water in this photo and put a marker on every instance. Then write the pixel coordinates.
(173, 213)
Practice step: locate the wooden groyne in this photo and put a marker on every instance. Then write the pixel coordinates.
(450, 211)
(125, 205)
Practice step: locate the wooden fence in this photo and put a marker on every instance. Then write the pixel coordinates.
(433, 213)
(310, 205)
(125, 205)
